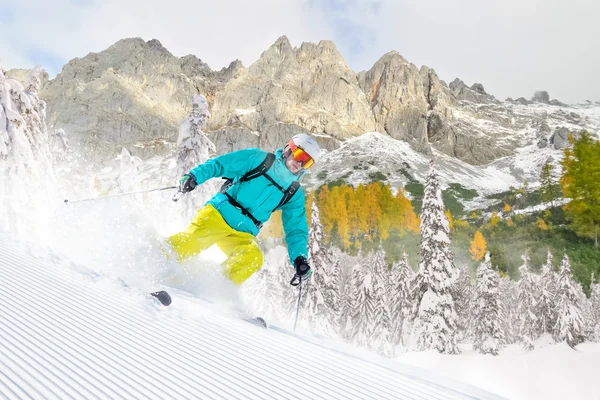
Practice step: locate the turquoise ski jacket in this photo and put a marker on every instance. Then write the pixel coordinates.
(259, 196)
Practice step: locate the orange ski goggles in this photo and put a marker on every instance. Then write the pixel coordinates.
(300, 155)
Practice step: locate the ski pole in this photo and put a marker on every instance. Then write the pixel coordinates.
(118, 195)
(298, 306)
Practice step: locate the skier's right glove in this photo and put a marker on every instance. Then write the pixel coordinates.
(187, 183)
(303, 270)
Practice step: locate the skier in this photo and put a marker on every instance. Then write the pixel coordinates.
(257, 184)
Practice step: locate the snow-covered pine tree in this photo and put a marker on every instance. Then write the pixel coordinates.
(382, 341)
(435, 326)
(462, 293)
(19, 172)
(35, 118)
(363, 313)
(546, 304)
(595, 307)
(528, 321)
(349, 297)
(486, 315)
(401, 278)
(323, 290)
(195, 148)
(570, 325)
(509, 294)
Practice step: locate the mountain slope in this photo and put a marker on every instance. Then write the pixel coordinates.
(74, 334)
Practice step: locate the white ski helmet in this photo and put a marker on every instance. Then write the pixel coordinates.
(308, 144)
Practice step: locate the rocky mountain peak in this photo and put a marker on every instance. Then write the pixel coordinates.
(139, 92)
(311, 88)
(476, 93)
(280, 48)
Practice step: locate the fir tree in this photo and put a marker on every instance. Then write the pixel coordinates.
(435, 325)
(547, 183)
(382, 318)
(545, 309)
(486, 315)
(400, 299)
(509, 295)
(194, 148)
(349, 319)
(528, 321)
(363, 313)
(580, 182)
(34, 113)
(19, 170)
(323, 291)
(462, 293)
(595, 307)
(570, 325)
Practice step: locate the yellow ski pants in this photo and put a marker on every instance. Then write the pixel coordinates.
(208, 227)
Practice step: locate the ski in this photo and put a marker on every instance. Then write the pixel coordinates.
(162, 296)
(258, 321)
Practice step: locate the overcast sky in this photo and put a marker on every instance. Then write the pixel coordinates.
(512, 47)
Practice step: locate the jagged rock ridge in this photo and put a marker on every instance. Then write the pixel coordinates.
(135, 93)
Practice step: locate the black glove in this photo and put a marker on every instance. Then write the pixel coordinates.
(187, 183)
(303, 270)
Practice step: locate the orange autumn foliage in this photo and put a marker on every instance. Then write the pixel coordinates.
(478, 246)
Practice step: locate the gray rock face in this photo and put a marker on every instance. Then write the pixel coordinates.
(135, 93)
(560, 137)
(475, 93)
(455, 125)
(131, 93)
(310, 86)
(478, 87)
(396, 93)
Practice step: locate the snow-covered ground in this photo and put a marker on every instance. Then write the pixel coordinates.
(70, 333)
(551, 371)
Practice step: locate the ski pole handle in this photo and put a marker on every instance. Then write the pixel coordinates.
(296, 280)
(177, 195)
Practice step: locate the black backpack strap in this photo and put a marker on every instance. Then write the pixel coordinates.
(243, 210)
(288, 194)
(255, 173)
(260, 169)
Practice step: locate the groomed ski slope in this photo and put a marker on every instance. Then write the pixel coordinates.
(71, 334)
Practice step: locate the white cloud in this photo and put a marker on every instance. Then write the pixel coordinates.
(512, 47)
(216, 32)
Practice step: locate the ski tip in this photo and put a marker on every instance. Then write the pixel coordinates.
(258, 321)
(162, 296)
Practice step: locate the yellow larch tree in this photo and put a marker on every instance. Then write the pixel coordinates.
(324, 202)
(494, 219)
(478, 246)
(450, 219)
